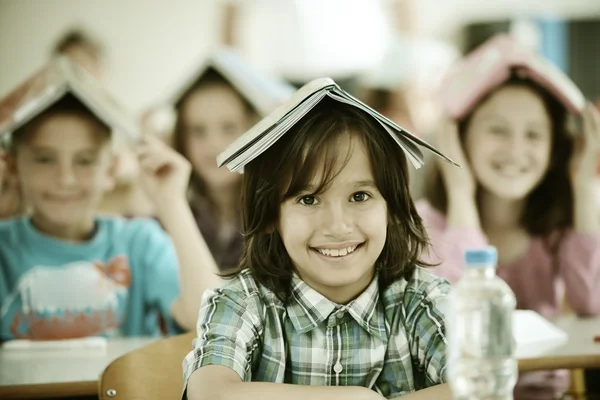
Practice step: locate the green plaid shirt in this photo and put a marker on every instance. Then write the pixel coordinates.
(393, 342)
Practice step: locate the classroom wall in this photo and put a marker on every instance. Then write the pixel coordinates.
(151, 42)
(443, 18)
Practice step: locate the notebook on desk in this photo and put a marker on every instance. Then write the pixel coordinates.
(89, 343)
(534, 334)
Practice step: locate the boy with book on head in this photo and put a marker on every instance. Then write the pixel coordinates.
(330, 299)
(526, 187)
(67, 272)
(125, 197)
(214, 106)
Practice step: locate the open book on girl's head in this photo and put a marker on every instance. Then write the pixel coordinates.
(262, 91)
(270, 129)
(492, 64)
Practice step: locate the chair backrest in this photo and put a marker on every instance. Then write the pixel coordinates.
(152, 372)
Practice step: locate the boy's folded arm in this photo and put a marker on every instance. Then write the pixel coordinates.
(217, 382)
(439, 392)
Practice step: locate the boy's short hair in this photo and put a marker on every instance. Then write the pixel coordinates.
(288, 166)
(68, 105)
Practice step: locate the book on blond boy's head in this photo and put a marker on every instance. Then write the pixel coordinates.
(271, 128)
(59, 78)
(262, 91)
(493, 63)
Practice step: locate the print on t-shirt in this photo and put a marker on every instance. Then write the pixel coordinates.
(74, 300)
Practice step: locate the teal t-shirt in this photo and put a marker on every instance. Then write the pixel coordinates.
(123, 281)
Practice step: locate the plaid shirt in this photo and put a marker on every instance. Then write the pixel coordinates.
(393, 342)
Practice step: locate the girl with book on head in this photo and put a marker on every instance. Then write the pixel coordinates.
(526, 186)
(330, 300)
(220, 102)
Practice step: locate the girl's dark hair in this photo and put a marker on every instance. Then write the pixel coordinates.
(549, 207)
(288, 167)
(197, 187)
(67, 105)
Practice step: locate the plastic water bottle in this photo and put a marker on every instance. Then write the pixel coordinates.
(481, 347)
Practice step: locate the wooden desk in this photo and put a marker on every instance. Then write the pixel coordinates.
(28, 375)
(31, 375)
(579, 351)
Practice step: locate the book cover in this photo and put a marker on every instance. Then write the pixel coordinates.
(262, 91)
(267, 131)
(47, 86)
(492, 64)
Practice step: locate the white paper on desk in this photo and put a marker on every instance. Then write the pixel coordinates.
(534, 334)
(89, 343)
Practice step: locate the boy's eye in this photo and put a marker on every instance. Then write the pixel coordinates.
(498, 130)
(42, 160)
(360, 197)
(197, 132)
(308, 200)
(533, 135)
(230, 129)
(86, 161)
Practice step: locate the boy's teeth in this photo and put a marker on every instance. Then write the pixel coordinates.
(337, 252)
(510, 169)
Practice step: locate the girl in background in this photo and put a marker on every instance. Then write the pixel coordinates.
(526, 187)
(211, 113)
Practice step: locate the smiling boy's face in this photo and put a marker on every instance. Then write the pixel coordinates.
(335, 237)
(64, 165)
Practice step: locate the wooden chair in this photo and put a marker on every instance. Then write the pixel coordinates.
(152, 372)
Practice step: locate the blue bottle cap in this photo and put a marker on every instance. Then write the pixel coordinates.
(481, 257)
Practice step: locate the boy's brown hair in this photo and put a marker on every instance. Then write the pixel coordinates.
(288, 167)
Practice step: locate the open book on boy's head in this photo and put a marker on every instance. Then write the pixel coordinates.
(59, 78)
(262, 91)
(271, 128)
(492, 64)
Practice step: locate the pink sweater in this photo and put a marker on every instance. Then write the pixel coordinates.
(538, 283)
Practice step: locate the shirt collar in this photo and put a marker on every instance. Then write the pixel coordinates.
(308, 308)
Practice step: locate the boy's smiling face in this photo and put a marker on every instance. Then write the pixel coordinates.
(334, 238)
(64, 166)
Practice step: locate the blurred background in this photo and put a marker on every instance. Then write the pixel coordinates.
(392, 54)
(146, 45)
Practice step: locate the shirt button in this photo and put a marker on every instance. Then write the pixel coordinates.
(340, 315)
(338, 367)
